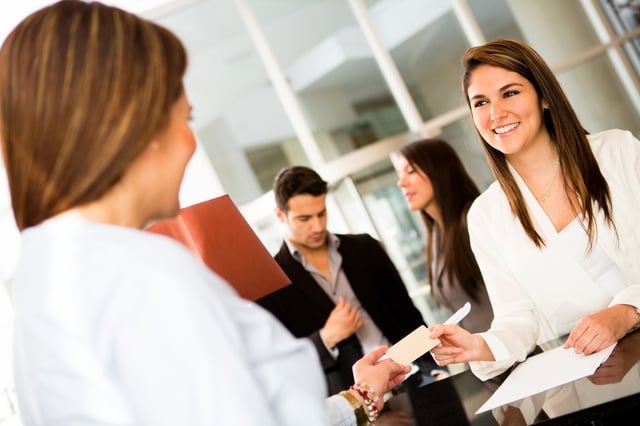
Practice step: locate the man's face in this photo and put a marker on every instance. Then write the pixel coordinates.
(306, 221)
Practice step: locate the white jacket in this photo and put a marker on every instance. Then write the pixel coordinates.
(540, 294)
(115, 326)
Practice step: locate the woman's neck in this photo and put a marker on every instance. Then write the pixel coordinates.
(536, 159)
(434, 212)
(115, 208)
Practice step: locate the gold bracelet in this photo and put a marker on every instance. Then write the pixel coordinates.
(361, 416)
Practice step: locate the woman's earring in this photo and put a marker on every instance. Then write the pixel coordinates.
(154, 146)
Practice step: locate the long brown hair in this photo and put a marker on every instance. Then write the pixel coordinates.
(454, 191)
(83, 89)
(578, 164)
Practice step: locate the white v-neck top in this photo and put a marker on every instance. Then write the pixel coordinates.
(540, 294)
(574, 241)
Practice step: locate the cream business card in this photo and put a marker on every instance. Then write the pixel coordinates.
(412, 346)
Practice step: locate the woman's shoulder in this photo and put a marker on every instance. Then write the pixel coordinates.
(490, 212)
(611, 139)
(488, 200)
(114, 250)
(614, 146)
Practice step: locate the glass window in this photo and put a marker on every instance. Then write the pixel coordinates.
(592, 83)
(236, 112)
(624, 17)
(598, 96)
(496, 19)
(330, 67)
(390, 221)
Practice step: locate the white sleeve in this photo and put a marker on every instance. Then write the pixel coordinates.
(340, 411)
(514, 329)
(179, 364)
(191, 352)
(618, 154)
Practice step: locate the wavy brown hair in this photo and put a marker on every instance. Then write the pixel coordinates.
(578, 164)
(454, 191)
(83, 89)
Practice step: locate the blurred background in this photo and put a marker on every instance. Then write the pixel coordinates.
(339, 85)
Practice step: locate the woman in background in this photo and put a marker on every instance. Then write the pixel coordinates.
(115, 325)
(435, 183)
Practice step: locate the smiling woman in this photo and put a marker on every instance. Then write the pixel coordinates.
(554, 257)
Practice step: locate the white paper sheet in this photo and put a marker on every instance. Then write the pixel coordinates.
(543, 372)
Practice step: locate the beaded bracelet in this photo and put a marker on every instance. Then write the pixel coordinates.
(369, 397)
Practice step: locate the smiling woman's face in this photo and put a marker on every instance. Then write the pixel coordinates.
(506, 109)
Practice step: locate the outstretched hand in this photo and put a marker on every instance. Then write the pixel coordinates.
(458, 345)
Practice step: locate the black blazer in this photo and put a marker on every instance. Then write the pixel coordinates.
(303, 307)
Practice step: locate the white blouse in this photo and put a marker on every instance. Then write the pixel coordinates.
(115, 326)
(540, 294)
(574, 241)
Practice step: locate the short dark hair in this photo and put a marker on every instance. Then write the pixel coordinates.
(296, 180)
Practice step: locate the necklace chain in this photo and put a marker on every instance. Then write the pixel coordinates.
(547, 192)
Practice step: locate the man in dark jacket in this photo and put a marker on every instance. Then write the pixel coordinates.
(346, 294)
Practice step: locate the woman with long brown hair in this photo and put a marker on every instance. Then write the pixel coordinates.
(556, 237)
(436, 184)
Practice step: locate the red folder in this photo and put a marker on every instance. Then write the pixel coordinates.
(218, 234)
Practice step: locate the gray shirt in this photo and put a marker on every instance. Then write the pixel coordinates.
(369, 334)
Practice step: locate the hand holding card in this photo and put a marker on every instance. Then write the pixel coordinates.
(412, 346)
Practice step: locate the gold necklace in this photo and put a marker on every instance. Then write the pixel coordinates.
(547, 192)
